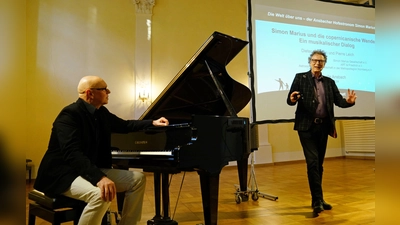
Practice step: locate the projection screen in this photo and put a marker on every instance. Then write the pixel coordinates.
(282, 35)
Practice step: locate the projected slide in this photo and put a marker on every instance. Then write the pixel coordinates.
(285, 33)
(350, 55)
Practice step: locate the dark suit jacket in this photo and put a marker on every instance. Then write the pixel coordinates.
(76, 149)
(307, 104)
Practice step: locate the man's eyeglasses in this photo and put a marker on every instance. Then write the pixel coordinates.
(101, 89)
(318, 60)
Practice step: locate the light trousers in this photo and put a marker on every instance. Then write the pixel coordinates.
(133, 183)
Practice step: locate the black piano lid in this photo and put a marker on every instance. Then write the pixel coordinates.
(193, 91)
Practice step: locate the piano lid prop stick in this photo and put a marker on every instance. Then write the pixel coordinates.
(228, 104)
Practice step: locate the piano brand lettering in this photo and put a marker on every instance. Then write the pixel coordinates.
(140, 142)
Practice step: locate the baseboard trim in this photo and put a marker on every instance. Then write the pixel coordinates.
(360, 157)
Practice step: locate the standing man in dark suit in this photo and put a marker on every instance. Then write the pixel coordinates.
(315, 96)
(77, 162)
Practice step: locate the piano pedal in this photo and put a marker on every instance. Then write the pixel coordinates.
(161, 222)
(117, 217)
(109, 214)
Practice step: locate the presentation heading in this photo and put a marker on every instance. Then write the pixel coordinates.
(319, 20)
(328, 40)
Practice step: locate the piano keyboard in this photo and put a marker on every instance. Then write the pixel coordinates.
(118, 153)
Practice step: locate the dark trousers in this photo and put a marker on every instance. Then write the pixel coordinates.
(314, 143)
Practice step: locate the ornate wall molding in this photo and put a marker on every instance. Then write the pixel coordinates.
(142, 62)
(144, 6)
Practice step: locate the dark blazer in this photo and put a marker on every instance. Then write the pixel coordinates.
(307, 104)
(76, 149)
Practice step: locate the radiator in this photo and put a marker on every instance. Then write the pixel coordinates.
(359, 136)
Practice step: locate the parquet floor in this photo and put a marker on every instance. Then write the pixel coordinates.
(349, 185)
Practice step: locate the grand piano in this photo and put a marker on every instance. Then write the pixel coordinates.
(205, 133)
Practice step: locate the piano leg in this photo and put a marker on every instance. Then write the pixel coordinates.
(158, 219)
(242, 166)
(209, 191)
(157, 198)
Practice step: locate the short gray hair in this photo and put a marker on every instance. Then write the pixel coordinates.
(319, 52)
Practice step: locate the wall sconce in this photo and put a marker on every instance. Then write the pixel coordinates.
(144, 95)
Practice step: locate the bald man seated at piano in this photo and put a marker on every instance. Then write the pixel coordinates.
(77, 163)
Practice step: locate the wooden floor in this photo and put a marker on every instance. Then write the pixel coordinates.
(349, 185)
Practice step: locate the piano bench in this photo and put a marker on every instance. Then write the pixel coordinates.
(55, 210)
